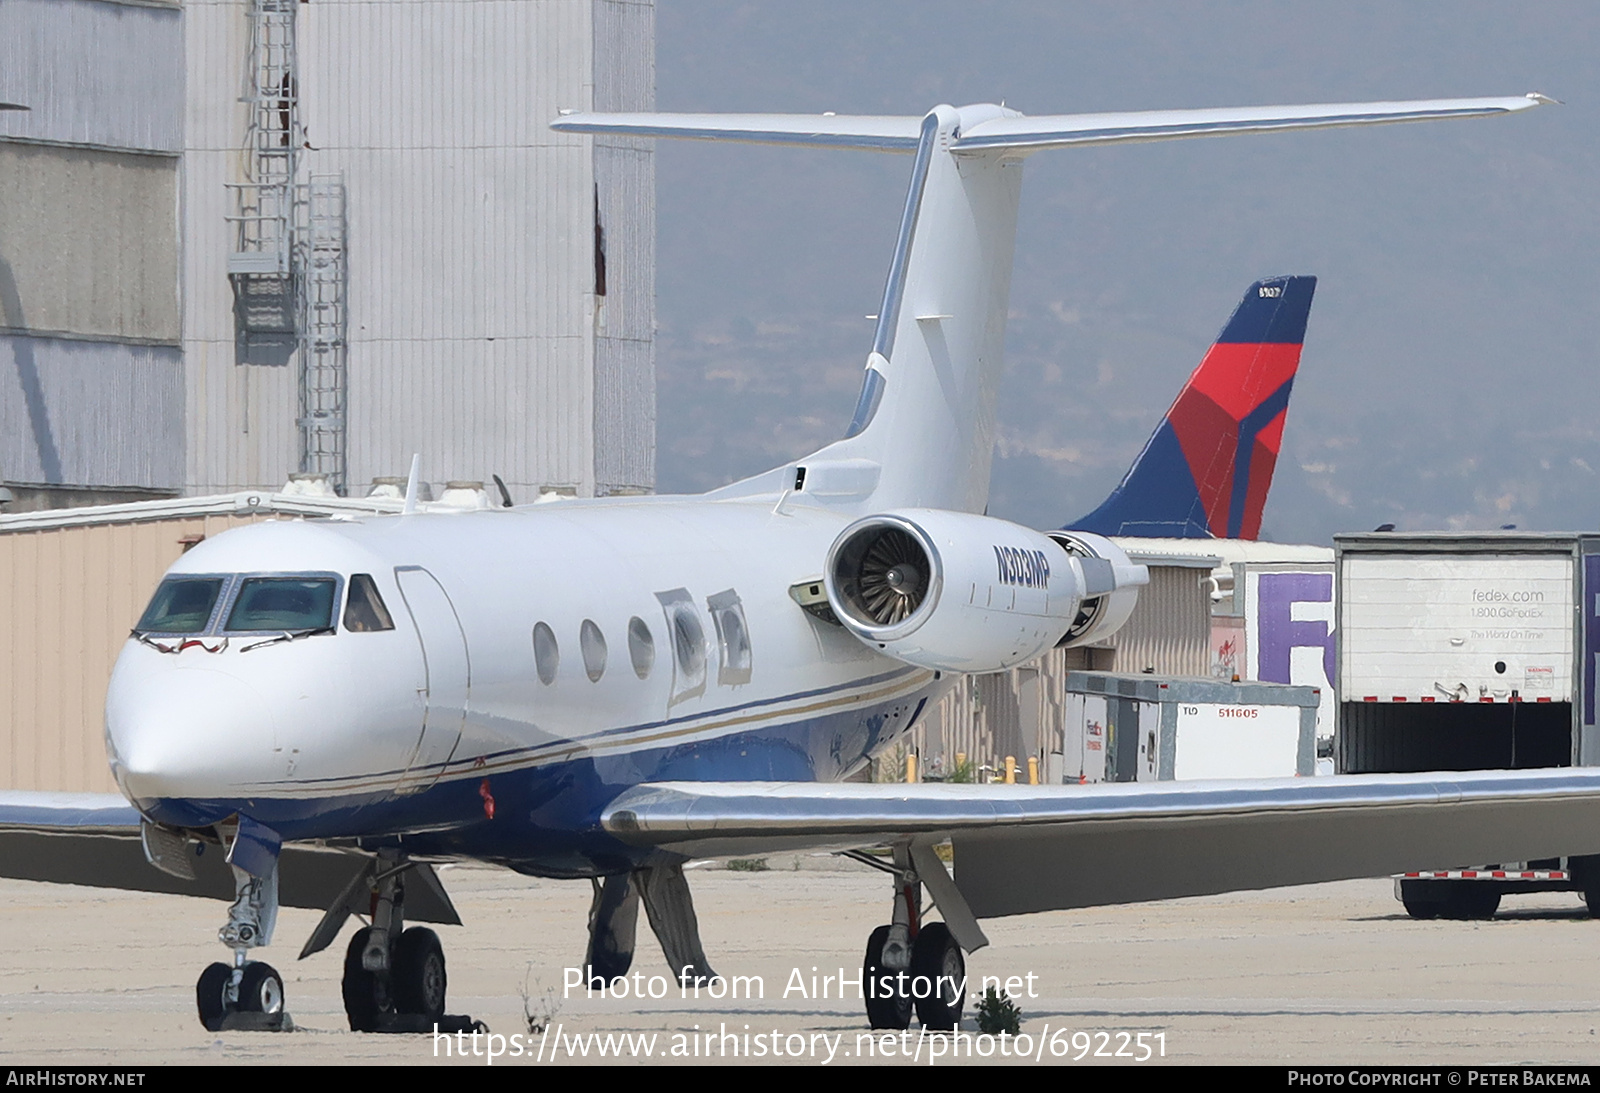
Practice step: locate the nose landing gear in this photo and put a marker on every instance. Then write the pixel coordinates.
(248, 994)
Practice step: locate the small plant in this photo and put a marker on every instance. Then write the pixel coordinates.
(538, 1018)
(891, 765)
(997, 1013)
(748, 865)
(960, 771)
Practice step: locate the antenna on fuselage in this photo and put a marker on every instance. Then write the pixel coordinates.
(411, 486)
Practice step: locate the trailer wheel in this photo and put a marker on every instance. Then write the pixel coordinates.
(1419, 909)
(1472, 900)
(1591, 900)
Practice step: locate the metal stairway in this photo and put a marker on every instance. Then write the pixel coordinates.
(287, 266)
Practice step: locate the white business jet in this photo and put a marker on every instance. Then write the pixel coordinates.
(605, 688)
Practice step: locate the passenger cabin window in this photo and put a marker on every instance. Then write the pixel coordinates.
(283, 603)
(641, 647)
(689, 644)
(688, 638)
(182, 605)
(592, 644)
(546, 654)
(733, 637)
(364, 612)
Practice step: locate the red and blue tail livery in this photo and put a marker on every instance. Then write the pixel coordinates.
(1205, 472)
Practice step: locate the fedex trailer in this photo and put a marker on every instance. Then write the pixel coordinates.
(1469, 652)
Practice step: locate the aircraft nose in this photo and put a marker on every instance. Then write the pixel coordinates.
(186, 733)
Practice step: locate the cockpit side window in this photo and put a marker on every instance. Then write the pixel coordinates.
(283, 603)
(182, 605)
(364, 611)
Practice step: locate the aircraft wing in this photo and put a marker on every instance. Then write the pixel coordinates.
(94, 839)
(1019, 849)
(1022, 134)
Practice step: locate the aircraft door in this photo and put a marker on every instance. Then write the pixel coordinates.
(448, 677)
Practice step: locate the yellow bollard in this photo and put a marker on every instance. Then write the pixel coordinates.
(1011, 770)
(911, 767)
(1033, 770)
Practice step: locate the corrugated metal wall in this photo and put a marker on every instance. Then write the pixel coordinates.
(88, 243)
(624, 350)
(92, 72)
(240, 420)
(90, 377)
(90, 413)
(1169, 632)
(473, 332)
(68, 597)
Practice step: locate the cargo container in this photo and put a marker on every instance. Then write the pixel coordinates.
(1146, 728)
(1469, 652)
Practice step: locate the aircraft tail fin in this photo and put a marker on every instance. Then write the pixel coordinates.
(1206, 470)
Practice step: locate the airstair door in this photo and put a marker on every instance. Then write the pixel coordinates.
(448, 671)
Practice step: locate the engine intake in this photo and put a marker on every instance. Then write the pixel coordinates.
(960, 592)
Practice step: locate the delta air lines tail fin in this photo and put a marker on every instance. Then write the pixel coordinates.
(1206, 470)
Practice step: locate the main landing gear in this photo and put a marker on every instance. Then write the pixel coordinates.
(910, 965)
(394, 977)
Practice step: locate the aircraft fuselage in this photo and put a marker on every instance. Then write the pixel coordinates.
(540, 661)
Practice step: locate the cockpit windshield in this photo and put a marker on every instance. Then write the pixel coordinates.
(182, 605)
(283, 603)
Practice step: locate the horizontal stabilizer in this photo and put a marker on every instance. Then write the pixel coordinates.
(1018, 133)
(1036, 848)
(880, 134)
(1068, 130)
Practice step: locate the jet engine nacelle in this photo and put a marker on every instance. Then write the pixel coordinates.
(965, 593)
(1110, 589)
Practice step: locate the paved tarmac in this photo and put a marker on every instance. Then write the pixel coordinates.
(1325, 974)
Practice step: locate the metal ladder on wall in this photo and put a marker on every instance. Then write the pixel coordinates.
(261, 266)
(287, 266)
(320, 251)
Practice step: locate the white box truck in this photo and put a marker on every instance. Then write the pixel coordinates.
(1469, 652)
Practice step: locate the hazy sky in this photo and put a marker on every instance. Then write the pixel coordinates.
(1449, 374)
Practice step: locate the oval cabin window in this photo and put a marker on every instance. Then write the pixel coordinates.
(641, 647)
(592, 644)
(546, 653)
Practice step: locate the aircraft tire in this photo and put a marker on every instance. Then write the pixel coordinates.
(936, 960)
(260, 989)
(890, 1009)
(418, 974)
(366, 996)
(211, 995)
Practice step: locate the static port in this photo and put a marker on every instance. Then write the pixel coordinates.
(1500, 667)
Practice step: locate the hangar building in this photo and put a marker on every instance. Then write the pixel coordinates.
(241, 239)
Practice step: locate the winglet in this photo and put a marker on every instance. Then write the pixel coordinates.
(1206, 470)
